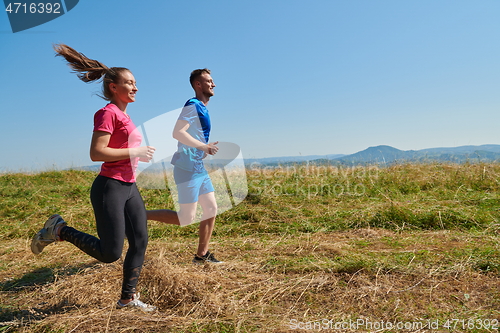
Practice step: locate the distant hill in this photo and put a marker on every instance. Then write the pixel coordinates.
(378, 154)
(291, 159)
(464, 149)
(388, 155)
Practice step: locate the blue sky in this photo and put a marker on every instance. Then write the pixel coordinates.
(293, 77)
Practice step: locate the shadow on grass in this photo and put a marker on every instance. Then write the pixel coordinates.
(13, 317)
(36, 277)
(41, 276)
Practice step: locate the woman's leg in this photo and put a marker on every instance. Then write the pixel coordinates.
(137, 234)
(108, 198)
(163, 215)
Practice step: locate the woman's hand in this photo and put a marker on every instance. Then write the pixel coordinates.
(144, 153)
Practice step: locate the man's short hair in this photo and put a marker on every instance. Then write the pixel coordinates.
(197, 73)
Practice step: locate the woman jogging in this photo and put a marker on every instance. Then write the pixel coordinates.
(118, 207)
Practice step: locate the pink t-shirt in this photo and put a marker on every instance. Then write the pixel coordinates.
(123, 132)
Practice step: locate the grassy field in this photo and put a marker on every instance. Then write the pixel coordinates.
(407, 248)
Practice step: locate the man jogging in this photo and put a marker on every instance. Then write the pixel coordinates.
(192, 131)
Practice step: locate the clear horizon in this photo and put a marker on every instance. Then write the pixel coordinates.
(143, 166)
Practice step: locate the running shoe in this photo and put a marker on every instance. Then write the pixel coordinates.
(135, 303)
(208, 257)
(47, 234)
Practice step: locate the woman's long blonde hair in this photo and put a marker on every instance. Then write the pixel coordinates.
(89, 70)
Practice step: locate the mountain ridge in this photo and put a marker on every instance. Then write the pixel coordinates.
(384, 154)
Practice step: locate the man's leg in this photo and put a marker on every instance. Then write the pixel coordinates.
(187, 213)
(209, 206)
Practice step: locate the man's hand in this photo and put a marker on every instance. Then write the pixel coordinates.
(211, 148)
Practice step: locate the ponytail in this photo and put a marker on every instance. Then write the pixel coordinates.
(89, 70)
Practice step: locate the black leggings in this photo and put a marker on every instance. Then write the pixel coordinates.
(119, 212)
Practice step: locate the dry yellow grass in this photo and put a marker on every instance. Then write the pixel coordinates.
(266, 285)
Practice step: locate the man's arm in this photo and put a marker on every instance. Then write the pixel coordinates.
(180, 134)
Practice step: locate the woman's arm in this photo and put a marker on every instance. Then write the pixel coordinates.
(100, 152)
